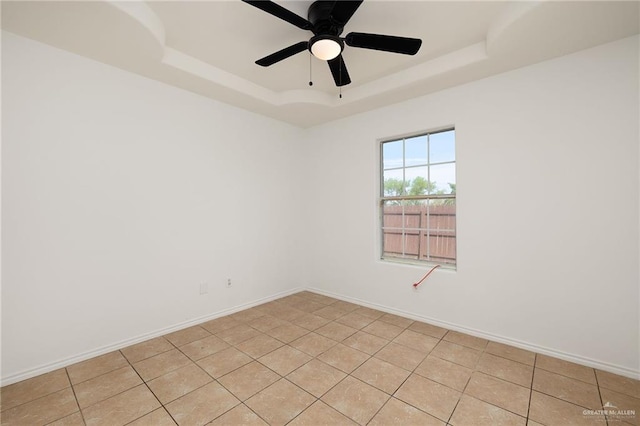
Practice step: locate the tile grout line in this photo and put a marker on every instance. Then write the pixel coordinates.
(533, 374)
(75, 396)
(148, 388)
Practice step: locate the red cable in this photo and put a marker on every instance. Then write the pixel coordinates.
(415, 285)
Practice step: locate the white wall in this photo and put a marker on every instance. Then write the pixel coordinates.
(547, 173)
(120, 195)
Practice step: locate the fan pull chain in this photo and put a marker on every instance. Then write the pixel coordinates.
(310, 67)
(340, 87)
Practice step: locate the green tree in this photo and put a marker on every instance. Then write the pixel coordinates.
(421, 186)
(394, 187)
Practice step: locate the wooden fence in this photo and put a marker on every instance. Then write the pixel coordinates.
(429, 232)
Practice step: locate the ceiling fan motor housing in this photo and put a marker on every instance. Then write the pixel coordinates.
(320, 17)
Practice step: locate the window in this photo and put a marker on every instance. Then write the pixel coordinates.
(418, 198)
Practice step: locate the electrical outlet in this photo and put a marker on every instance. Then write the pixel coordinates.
(204, 288)
(228, 282)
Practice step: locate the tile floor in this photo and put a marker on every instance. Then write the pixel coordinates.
(308, 359)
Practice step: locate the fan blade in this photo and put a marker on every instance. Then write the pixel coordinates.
(343, 10)
(280, 12)
(339, 71)
(404, 45)
(283, 54)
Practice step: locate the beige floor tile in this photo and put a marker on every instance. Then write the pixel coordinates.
(97, 366)
(187, 335)
(511, 352)
(122, 408)
(223, 362)
(179, 382)
(466, 340)
(428, 329)
(568, 389)
(355, 399)
(382, 375)
(471, 411)
(383, 329)
(259, 345)
(313, 344)
(239, 415)
(336, 331)
(34, 388)
(202, 405)
(621, 402)
(498, 392)
(368, 312)
(354, 320)
(506, 369)
(566, 368)
(329, 312)
(218, 325)
(267, 323)
(320, 298)
(320, 414)
(248, 380)
(618, 383)
(203, 347)
(396, 320)
(284, 360)
(308, 306)
(396, 412)
(238, 334)
(345, 306)
(401, 356)
(462, 355)
(429, 396)
(532, 423)
(43, 410)
(146, 349)
(288, 314)
(343, 358)
(287, 333)
(161, 364)
(316, 377)
(311, 322)
(158, 417)
(365, 342)
(444, 372)
(551, 411)
(105, 386)
(247, 315)
(73, 420)
(417, 341)
(280, 403)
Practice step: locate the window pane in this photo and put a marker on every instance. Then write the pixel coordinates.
(392, 154)
(417, 183)
(393, 183)
(392, 231)
(415, 151)
(441, 235)
(443, 178)
(442, 147)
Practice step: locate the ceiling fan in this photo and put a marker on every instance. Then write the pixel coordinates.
(326, 19)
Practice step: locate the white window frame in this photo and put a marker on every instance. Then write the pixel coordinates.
(383, 198)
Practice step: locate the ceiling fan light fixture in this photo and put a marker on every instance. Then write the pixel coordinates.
(326, 47)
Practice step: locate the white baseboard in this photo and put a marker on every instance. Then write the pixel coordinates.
(32, 372)
(616, 369)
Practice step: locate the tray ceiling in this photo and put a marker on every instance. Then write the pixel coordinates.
(209, 47)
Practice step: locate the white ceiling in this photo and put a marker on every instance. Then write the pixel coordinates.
(209, 47)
